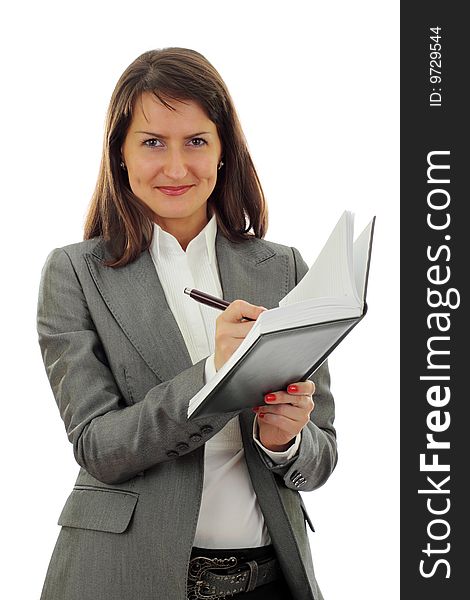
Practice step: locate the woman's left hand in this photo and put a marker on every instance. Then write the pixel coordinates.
(285, 415)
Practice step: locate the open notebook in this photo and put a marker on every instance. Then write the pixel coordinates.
(289, 343)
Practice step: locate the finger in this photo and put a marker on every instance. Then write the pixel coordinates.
(302, 387)
(301, 400)
(239, 309)
(237, 330)
(290, 426)
(293, 413)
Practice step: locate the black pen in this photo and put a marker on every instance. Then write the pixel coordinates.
(209, 300)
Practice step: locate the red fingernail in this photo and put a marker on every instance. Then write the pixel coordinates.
(255, 409)
(292, 388)
(270, 397)
(261, 416)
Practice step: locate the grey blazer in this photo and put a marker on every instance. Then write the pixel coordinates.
(122, 378)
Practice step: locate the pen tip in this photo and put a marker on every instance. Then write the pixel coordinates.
(187, 290)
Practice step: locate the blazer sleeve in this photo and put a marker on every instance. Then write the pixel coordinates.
(111, 440)
(317, 454)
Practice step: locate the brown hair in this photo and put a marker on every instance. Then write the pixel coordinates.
(118, 215)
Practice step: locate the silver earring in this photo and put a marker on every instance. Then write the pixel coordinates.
(123, 166)
(221, 164)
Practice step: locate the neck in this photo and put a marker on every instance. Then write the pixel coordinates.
(183, 230)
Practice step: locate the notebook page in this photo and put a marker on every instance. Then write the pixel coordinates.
(331, 275)
(308, 312)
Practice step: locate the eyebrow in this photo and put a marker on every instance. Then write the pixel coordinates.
(164, 137)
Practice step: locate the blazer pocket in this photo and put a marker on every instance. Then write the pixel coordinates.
(101, 509)
(306, 517)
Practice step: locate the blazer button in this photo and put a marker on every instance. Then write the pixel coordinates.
(195, 437)
(182, 446)
(172, 453)
(206, 429)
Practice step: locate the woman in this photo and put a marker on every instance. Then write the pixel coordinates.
(164, 507)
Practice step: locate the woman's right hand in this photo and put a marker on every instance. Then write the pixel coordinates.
(231, 329)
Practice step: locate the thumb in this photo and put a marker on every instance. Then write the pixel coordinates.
(240, 309)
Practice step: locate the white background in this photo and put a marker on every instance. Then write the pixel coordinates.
(316, 88)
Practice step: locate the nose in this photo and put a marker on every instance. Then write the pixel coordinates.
(175, 165)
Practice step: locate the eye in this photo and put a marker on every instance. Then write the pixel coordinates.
(200, 142)
(152, 143)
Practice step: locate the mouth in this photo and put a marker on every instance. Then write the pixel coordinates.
(174, 191)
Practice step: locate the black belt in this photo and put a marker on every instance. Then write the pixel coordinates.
(215, 577)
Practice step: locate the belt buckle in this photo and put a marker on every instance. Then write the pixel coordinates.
(197, 588)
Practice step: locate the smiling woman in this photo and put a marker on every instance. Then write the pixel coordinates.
(164, 507)
(172, 104)
(174, 171)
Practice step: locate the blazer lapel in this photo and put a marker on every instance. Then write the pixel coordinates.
(251, 271)
(135, 297)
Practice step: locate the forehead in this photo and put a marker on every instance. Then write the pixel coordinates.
(150, 112)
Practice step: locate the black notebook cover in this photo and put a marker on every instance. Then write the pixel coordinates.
(275, 360)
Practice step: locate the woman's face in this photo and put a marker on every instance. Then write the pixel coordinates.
(171, 157)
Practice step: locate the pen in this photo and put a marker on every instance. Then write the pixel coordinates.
(209, 300)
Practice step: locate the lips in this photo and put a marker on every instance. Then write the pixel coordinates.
(175, 191)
